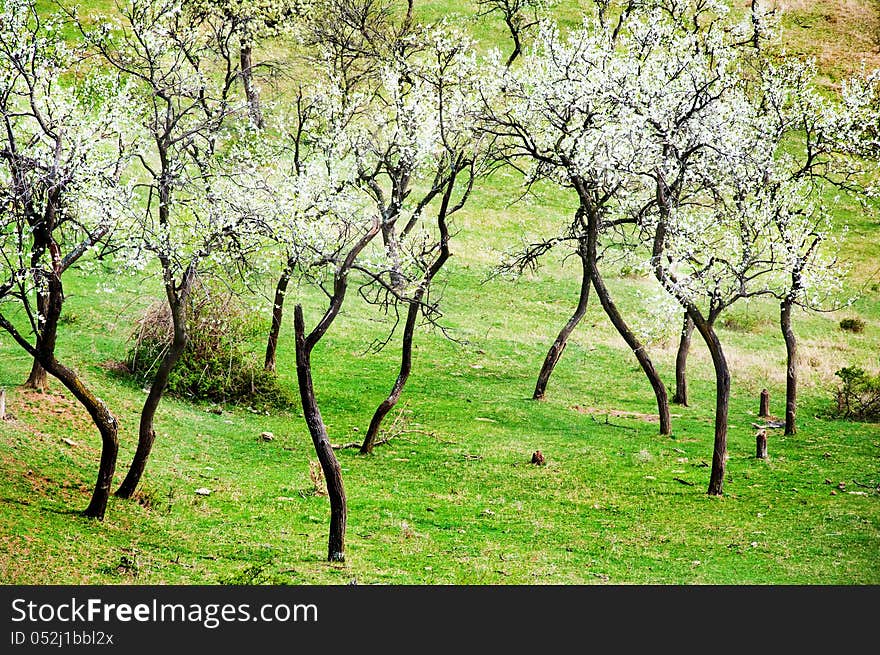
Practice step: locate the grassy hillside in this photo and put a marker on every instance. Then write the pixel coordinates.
(453, 498)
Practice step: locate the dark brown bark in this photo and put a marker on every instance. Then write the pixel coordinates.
(555, 352)
(250, 90)
(710, 337)
(761, 444)
(637, 347)
(277, 318)
(412, 314)
(318, 431)
(764, 406)
(791, 371)
(403, 375)
(101, 416)
(684, 346)
(616, 318)
(304, 343)
(146, 431)
(722, 403)
(37, 378)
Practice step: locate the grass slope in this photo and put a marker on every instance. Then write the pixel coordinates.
(453, 498)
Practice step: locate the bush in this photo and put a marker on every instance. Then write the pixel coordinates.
(858, 398)
(216, 365)
(852, 324)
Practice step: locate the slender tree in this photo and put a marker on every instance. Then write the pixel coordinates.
(60, 163)
(191, 212)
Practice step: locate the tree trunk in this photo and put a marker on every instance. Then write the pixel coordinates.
(555, 352)
(318, 431)
(97, 409)
(250, 90)
(722, 404)
(277, 317)
(37, 379)
(146, 432)
(405, 367)
(791, 372)
(636, 346)
(684, 346)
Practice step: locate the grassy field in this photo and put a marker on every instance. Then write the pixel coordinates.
(453, 498)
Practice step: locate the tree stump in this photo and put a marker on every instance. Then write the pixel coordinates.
(761, 444)
(764, 411)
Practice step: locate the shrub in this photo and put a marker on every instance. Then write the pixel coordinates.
(216, 365)
(858, 397)
(852, 324)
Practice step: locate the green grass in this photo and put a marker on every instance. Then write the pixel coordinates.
(453, 499)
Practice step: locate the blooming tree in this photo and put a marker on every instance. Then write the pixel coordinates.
(194, 213)
(565, 114)
(61, 155)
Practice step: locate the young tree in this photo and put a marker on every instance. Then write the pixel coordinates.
(249, 23)
(61, 153)
(564, 112)
(193, 213)
(417, 149)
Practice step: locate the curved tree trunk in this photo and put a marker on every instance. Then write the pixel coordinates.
(791, 371)
(318, 431)
(405, 367)
(251, 91)
(555, 352)
(146, 432)
(97, 409)
(277, 318)
(107, 427)
(637, 347)
(722, 404)
(684, 346)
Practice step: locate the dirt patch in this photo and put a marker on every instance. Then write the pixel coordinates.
(48, 406)
(617, 413)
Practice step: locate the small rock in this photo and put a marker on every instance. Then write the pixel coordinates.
(833, 493)
(203, 491)
(841, 486)
(267, 436)
(827, 480)
(355, 429)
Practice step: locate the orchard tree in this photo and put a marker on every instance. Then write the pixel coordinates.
(519, 16)
(248, 23)
(564, 117)
(193, 212)
(61, 155)
(416, 147)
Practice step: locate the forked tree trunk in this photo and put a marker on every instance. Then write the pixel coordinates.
(101, 416)
(251, 91)
(555, 352)
(791, 371)
(277, 318)
(684, 346)
(318, 431)
(412, 316)
(592, 238)
(146, 431)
